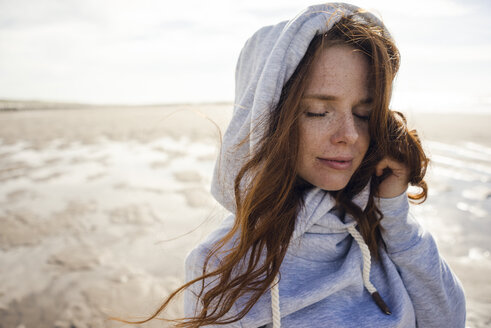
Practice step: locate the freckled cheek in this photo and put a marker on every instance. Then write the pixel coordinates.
(312, 137)
(363, 140)
(307, 143)
(316, 129)
(312, 144)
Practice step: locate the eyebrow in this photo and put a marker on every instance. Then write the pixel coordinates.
(365, 101)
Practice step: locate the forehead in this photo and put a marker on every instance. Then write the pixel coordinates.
(339, 70)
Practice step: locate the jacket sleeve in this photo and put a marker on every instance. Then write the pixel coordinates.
(436, 293)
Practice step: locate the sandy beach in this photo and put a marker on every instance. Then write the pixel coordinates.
(99, 206)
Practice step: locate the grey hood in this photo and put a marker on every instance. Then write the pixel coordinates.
(266, 62)
(327, 277)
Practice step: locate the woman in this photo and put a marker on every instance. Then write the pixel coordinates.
(315, 167)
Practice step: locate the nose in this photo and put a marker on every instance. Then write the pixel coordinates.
(345, 130)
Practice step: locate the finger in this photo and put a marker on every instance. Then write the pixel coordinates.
(396, 167)
(379, 168)
(390, 163)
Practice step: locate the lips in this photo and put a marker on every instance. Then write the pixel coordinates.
(337, 163)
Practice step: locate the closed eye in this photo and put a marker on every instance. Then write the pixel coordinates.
(362, 117)
(312, 114)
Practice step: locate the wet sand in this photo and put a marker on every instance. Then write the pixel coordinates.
(99, 206)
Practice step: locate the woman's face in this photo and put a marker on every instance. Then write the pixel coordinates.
(334, 115)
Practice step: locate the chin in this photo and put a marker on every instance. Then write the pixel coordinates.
(329, 188)
(332, 185)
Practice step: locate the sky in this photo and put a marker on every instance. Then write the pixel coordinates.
(159, 51)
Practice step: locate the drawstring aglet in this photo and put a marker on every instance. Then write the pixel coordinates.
(380, 302)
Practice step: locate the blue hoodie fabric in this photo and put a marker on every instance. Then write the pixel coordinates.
(326, 277)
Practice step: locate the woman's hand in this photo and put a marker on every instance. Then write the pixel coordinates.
(396, 181)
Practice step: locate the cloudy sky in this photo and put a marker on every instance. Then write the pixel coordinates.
(159, 51)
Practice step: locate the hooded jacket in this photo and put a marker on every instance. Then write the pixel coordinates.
(327, 276)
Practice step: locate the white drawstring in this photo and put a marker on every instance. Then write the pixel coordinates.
(367, 264)
(366, 269)
(275, 303)
(275, 292)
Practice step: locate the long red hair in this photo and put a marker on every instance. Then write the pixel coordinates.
(267, 205)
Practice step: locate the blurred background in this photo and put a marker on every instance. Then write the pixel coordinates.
(110, 121)
(154, 52)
